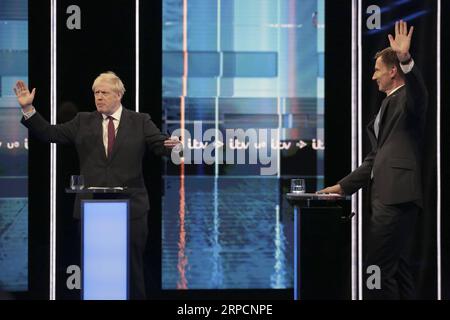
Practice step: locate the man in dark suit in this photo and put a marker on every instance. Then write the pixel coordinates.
(393, 168)
(111, 143)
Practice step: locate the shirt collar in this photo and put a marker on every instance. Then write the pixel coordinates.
(390, 93)
(116, 115)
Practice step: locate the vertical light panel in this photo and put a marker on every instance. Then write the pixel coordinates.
(105, 249)
(182, 257)
(217, 277)
(438, 149)
(279, 111)
(360, 155)
(296, 254)
(356, 149)
(218, 86)
(52, 282)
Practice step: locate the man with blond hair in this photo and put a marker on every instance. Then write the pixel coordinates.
(111, 143)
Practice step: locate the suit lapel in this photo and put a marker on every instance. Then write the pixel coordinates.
(383, 107)
(124, 125)
(385, 123)
(371, 132)
(371, 126)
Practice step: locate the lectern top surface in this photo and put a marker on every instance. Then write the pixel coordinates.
(316, 196)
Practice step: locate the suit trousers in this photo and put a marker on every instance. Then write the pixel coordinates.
(389, 244)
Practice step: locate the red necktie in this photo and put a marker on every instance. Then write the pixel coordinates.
(111, 135)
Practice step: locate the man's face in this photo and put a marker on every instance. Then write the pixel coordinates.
(107, 100)
(383, 75)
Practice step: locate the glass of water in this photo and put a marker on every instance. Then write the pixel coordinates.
(298, 186)
(76, 182)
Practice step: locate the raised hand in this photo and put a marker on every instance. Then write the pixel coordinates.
(24, 97)
(402, 41)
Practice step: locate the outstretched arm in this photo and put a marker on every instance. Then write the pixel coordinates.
(355, 180)
(44, 131)
(158, 143)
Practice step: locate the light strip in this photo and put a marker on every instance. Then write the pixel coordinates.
(279, 111)
(185, 70)
(279, 279)
(279, 130)
(216, 278)
(217, 268)
(182, 258)
(137, 56)
(438, 149)
(360, 155)
(52, 284)
(296, 253)
(354, 160)
(218, 88)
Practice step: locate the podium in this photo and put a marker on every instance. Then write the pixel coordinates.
(322, 246)
(104, 243)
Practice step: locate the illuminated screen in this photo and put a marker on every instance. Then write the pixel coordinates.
(105, 252)
(13, 148)
(243, 85)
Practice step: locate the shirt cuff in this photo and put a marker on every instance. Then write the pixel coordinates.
(28, 114)
(407, 67)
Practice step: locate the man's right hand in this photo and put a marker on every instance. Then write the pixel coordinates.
(333, 189)
(24, 97)
(402, 41)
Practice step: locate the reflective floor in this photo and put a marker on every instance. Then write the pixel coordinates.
(226, 233)
(13, 244)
